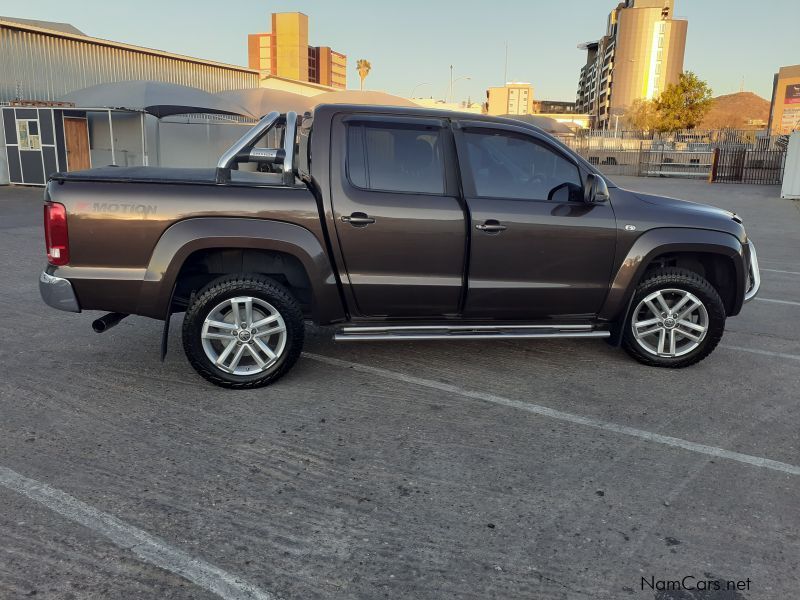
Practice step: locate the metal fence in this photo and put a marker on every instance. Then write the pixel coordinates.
(743, 165)
(743, 156)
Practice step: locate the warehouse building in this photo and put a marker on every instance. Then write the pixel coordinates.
(44, 61)
(41, 62)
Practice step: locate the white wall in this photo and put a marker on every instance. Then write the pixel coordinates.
(188, 142)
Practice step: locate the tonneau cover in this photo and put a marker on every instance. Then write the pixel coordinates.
(167, 175)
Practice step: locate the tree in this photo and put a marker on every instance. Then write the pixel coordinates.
(363, 66)
(641, 115)
(684, 104)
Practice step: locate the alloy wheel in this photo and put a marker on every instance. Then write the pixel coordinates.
(670, 323)
(244, 335)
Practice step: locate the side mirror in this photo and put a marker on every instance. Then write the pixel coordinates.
(566, 192)
(595, 190)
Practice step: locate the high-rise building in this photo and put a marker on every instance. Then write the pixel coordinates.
(640, 55)
(284, 52)
(514, 98)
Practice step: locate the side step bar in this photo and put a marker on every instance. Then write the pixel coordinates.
(465, 332)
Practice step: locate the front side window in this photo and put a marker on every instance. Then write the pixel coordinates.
(508, 165)
(402, 158)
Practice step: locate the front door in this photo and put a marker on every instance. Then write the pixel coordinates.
(76, 133)
(537, 251)
(399, 221)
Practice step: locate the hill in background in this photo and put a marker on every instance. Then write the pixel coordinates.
(742, 110)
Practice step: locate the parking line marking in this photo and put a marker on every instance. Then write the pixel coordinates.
(763, 352)
(147, 547)
(790, 302)
(781, 271)
(537, 409)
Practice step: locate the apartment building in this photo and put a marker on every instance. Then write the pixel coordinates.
(638, 57)
(285, 52)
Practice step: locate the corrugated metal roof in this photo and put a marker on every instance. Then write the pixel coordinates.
(27, 26)
(52, 25)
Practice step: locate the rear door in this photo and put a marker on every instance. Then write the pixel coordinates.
(399, 220)
(537, 251)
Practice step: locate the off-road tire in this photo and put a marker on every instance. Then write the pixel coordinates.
(231, 286)
(689, 281)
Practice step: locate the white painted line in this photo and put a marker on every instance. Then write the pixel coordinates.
(147, 547)
(537, 409)
(789, 302)
(762, 352)
(780, 271)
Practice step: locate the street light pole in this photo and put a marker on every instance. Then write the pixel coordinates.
(450, 95)
(454, 81)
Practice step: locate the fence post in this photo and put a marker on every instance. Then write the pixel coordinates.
(712, 176)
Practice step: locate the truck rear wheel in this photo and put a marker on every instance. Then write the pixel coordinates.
(677, 319)
(243, 331)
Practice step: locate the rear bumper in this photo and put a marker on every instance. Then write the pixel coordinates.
(58, 293)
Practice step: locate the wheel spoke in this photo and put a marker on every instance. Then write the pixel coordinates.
(672, 341)
(662, 303)
(687, 311)
(266, 321)
(225, 354)
(688, 335)
(662, 338)
(691, 325)
(269, 332)
(248, 312)
(650, 331)
(256, 356)
(679, 304)
(219, 336)
(653, 308)
(221, 325)
(647, 323)
(265, 349)
(236, 359)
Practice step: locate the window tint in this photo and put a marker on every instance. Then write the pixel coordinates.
(396, 158)
(505, 165)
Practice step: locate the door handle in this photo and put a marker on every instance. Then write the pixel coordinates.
(358, 219)
(491, 226)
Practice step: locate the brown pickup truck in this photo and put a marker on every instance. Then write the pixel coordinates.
(392, 224)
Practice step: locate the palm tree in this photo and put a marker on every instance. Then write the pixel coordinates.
(363, 66)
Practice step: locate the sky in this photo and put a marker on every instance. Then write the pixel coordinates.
(412, 44)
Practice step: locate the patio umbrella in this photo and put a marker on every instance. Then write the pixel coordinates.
(261, 101)
(153, 97)
(544, 123)
(359, 97)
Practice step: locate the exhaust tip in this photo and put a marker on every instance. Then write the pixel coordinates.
(108, 321)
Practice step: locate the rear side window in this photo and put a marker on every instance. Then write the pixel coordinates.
(507, 165)
(396, 158)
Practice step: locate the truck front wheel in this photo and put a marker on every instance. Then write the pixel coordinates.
(677, 319)
(243, 331)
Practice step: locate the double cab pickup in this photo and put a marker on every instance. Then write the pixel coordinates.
(392, 224)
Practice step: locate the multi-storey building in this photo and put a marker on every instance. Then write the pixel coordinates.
(640, 55)
(514, 98)
(284, 52)
(784, 113)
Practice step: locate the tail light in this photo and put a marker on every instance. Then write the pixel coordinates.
(55, 234)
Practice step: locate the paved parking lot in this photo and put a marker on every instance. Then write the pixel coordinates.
(547, 469)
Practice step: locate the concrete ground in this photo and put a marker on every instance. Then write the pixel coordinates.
(548, 469)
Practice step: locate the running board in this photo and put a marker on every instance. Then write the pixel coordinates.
(465, 332)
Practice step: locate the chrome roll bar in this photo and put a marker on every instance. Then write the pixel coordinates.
(244, 149)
